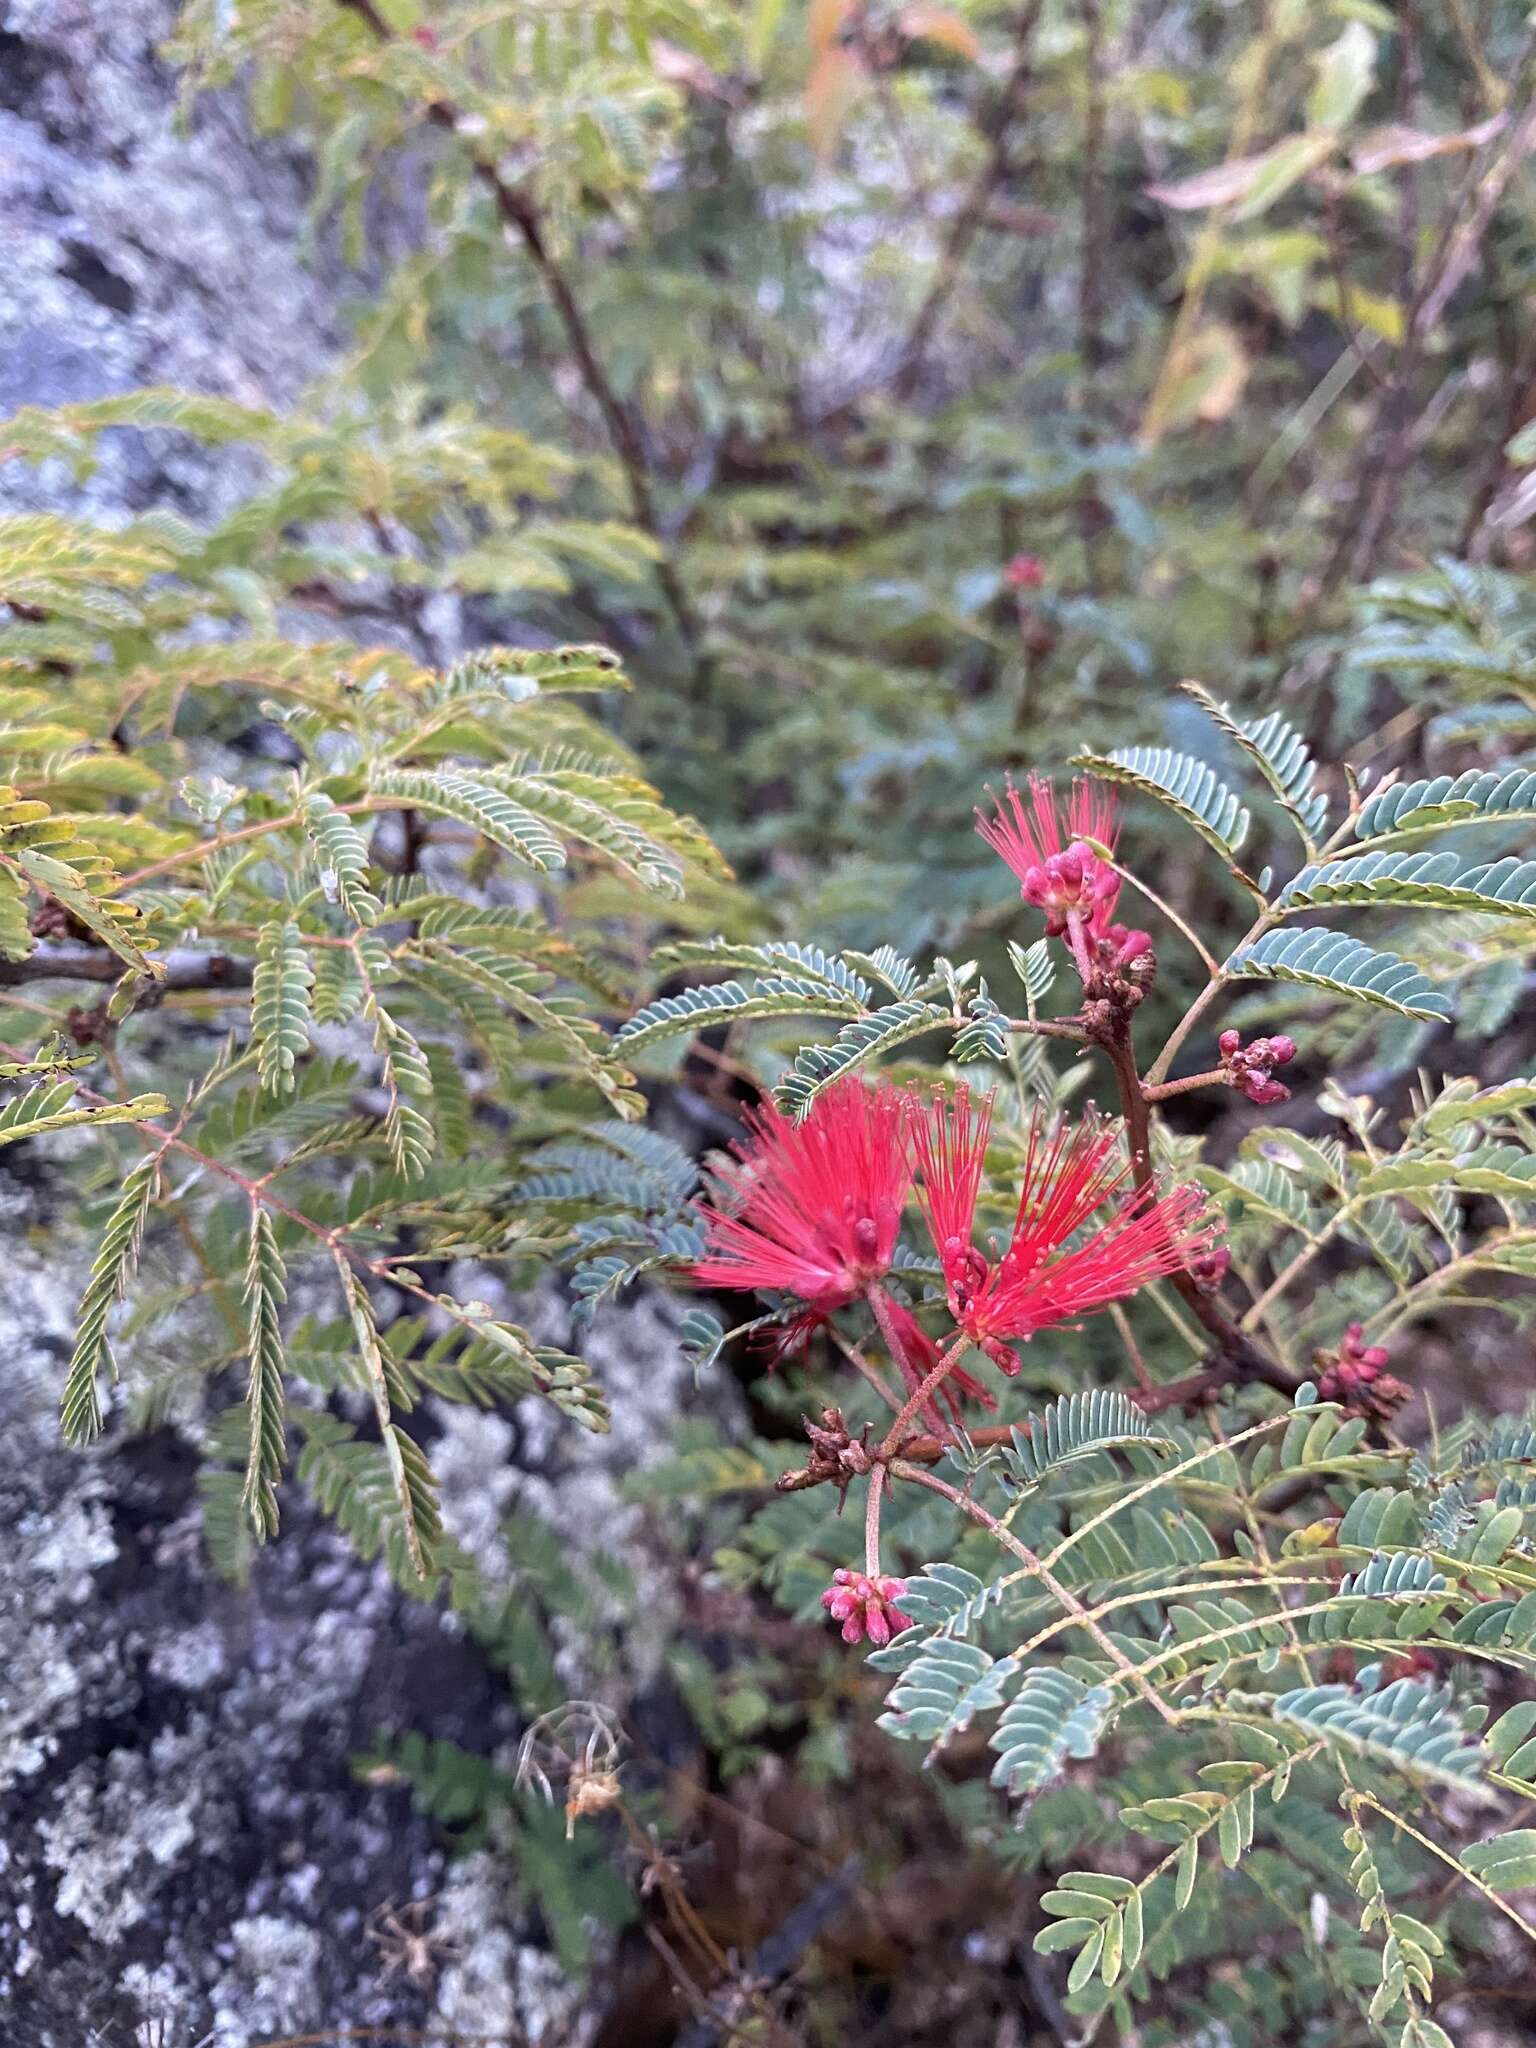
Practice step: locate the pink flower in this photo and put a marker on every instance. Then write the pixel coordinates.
(1024, 572)
(1042, 1277)
(864, 1606)
(812, 1209)
(1057, 871)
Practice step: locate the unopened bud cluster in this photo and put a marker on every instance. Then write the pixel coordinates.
(866, 1606)
(1251, 1067)
(1357, 1377)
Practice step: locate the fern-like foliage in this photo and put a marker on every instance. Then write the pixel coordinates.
(283, 908)
(1281, 756)
(1342, 964)
(1187, 786)
(1432, 881)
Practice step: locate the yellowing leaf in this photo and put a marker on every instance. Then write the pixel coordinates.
(1376, 312)
(943, 26)
(1206, 380)
(836, 80)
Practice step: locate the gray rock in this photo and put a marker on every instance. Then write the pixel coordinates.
(187, 1852)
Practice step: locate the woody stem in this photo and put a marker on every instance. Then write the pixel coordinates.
(1159, 1091)
(872, 1522)
(1241, 1360)
(921, 1393)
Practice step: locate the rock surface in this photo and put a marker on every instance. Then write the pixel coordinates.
(188, 1855)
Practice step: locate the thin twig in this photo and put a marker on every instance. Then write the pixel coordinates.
(973, 208)
(522, 214)
(1063, 1595)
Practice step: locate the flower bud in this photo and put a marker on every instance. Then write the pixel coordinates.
(865, 1606)
(1261, 1089)
(1228, 1043)
(1210, 1269)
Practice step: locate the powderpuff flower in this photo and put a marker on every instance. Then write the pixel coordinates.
(866, 1606)
(1058, 872)
(811, 1209)
(1048, 1273)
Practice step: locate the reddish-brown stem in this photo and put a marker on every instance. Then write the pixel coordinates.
(1239, 1360)
(923, 1392)
(1078, 940)
(1159, 1091)
(872, 1522)
(864, 1369)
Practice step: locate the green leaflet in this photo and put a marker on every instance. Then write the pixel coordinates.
(1341, 964)
(116, 1260)
(280, 992)
(476, 802)
(1076, 1427)
(265, 1292)
(1281, 757)
(1432, 881)
(54, 1108)
(818, 1066)
(342, 855)
(1411, 1726)
(1436, 803)
(1190, 789)
(696, 1009)
(1052, 1717)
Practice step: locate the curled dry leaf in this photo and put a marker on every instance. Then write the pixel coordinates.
(1248, 183)
(1382, 148)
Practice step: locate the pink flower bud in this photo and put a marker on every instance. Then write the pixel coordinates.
(865, 1606)
(1024, 572)
(1228, 1043)
(1210, 1269)
(1282, 1050)
(1261, 1089)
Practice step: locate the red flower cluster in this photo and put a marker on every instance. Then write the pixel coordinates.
(812, 1209)
(1042, 1277)
(865, 1607)
(1251, 1067)
(1058, 871)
